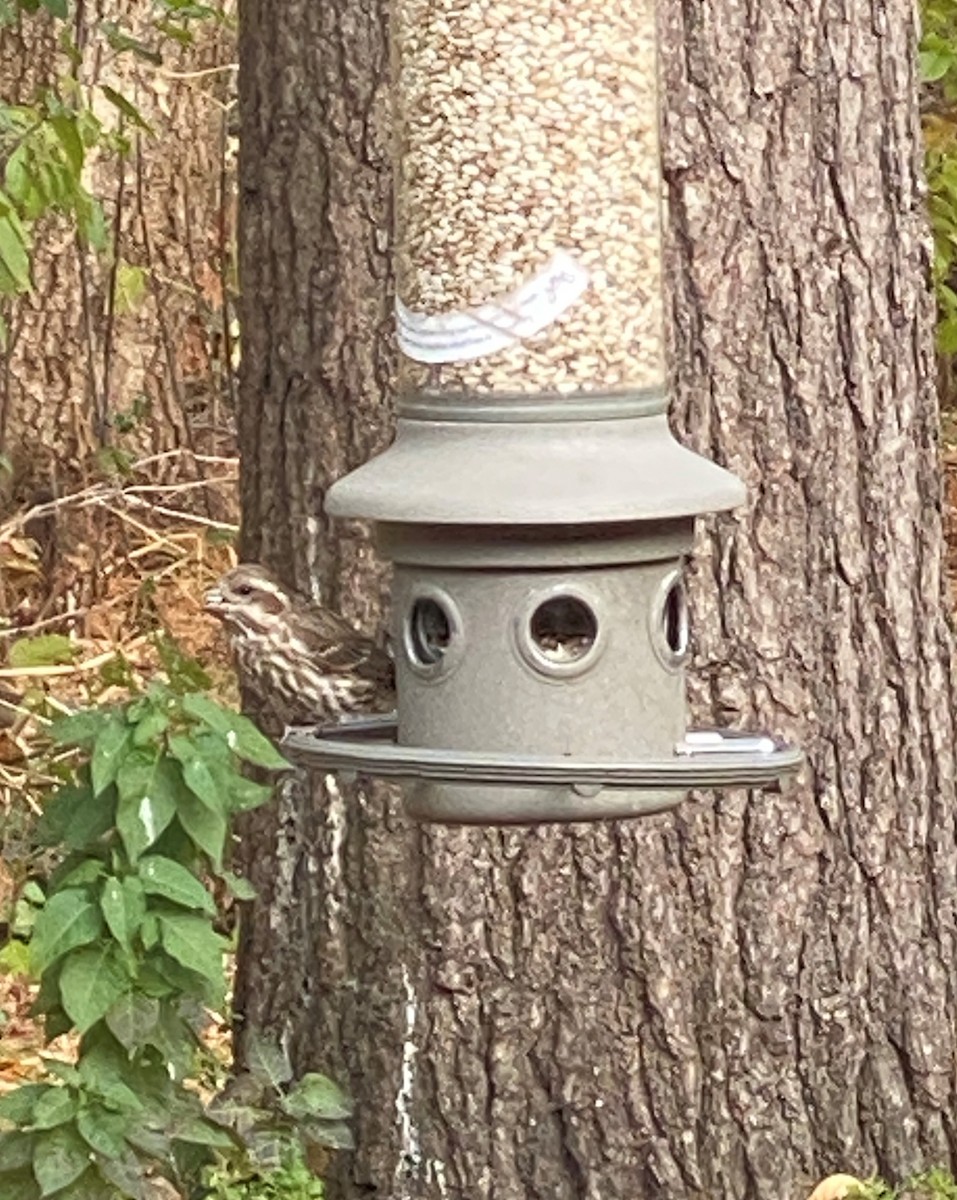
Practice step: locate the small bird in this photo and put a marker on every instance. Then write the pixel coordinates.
(305, 662)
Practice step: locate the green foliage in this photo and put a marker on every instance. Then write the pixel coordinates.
(938, 66)
(292, 1181)
(47, 136)
(123, 942)
(935, 1184)
(278, 1120)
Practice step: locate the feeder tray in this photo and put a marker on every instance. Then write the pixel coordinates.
(472, 787)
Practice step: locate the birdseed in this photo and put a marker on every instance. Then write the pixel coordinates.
(528, 156)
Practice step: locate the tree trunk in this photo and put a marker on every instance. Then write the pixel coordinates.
(733, 999)
(151, 371)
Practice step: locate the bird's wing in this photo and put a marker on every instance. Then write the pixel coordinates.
(344, 650)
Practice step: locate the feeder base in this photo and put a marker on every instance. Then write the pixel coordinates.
(475, 804)
(473, 788)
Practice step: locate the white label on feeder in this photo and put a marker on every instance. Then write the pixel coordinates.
(460, 336)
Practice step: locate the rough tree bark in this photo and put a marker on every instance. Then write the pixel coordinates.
(72, 362)
(734, 999)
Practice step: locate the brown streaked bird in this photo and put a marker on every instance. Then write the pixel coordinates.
(307, 663)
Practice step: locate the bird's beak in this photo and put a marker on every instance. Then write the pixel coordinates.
(214, 601)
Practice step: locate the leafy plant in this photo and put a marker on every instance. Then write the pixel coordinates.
(938, 66)
(46, 139)
(122, 940)
(278, 1120)
(934, 1184)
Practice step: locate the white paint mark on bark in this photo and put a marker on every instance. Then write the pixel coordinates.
(437, 1174)
(410, 1151)
(336, 821)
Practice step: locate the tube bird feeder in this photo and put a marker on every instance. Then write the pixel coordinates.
(534, 503)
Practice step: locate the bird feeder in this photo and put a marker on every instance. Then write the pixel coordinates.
(534, 502)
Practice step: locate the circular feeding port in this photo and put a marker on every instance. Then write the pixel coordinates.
(429, 632)
(563, 629)
(670, 628)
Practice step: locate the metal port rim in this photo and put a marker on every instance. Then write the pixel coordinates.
(368, 746)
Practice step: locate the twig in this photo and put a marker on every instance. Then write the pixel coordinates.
(89, 664)
(103, 492)
(110, 323)
(179, 515)
(21, 630)
(222, 231)
(206, 71)
(139, 489)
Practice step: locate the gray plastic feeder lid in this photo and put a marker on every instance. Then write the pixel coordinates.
(534, 463)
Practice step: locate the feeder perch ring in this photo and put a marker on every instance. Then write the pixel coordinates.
(704, 759)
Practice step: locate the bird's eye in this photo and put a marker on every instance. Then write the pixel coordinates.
(244, 590)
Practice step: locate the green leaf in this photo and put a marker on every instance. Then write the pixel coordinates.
(92, 980)
(133, 1018)
(127, 1173)
(182, 981)
(59, 8)
(20, 1185)
(192, 942)
(124, 907)
(17, 1106)
(151, 726)
(15, 958)
(164, 877)
(80, 728)
(103, 1068)
(267, 1061)
(65, 127)
(316, 1096)
(118, 39)
(45, 650)
(91, 221)
(206, 828)
(74, 816)
(66, 921)
(150, 933)
(55, 1108)
(61, 1070)
(16, 1150)
(130, 111)
(109, 751)
(947, 336)
(87, 870)
(130, 289)
(335, 1134)
(60, 1157)
(241, 735)
(240, 888)
(200, 773)
(150, 792)
(244, 795)
(13, 253)
(201, 1132)
(184, 673)
(934, 64)
(92, 1186)
(103, 1131)
(56, 1023)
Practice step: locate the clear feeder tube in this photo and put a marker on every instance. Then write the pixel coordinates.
(528, 206)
